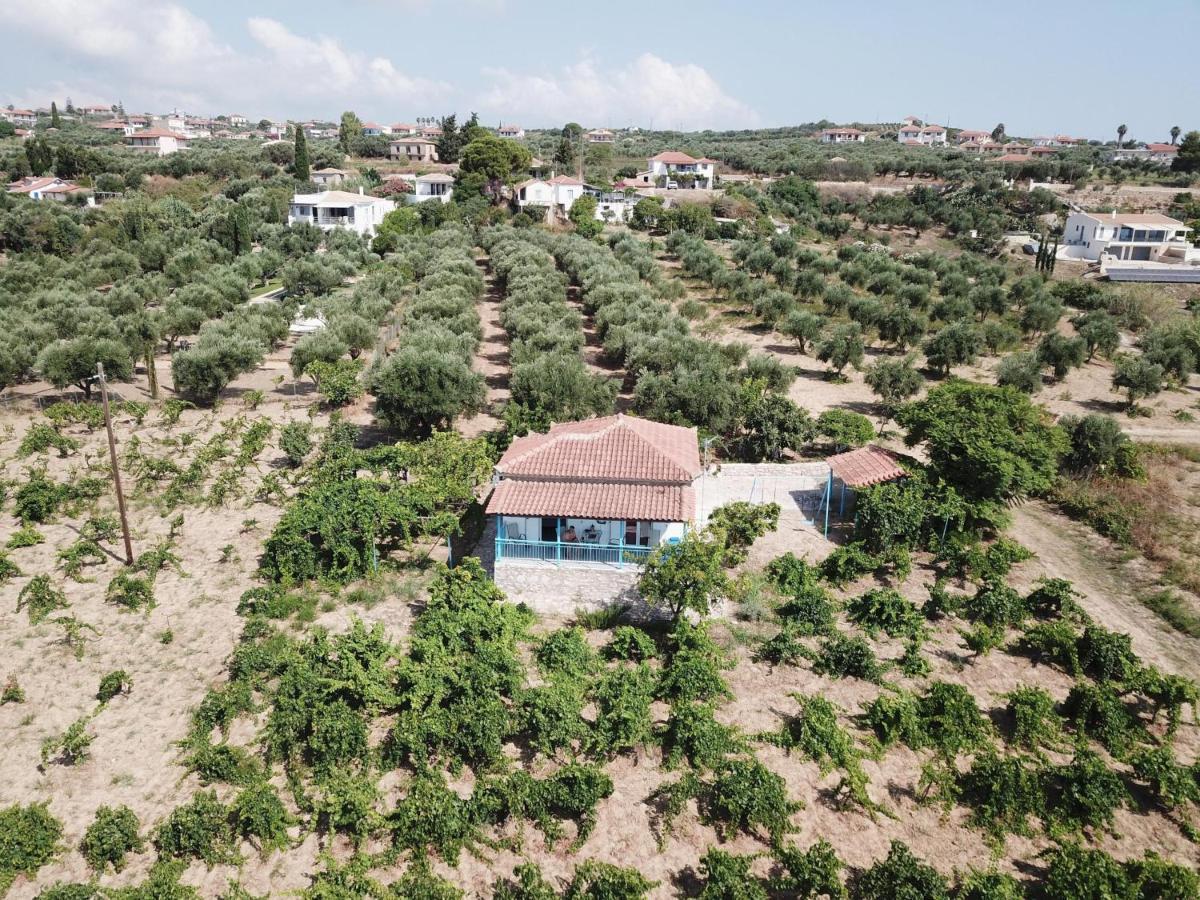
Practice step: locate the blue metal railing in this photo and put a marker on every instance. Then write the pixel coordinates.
(571, 552)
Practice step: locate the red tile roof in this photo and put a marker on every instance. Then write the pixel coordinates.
(564, 179)
(866, 466)
(612, 449)
(157, 133)
(673, 156)
(1163, 148)
(646, 502)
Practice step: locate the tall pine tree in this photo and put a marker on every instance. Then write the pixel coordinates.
(54, 121)
(301, 164)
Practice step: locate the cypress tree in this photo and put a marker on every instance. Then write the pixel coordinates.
(54, 122)
(301, 163)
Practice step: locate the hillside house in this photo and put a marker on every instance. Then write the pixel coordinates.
(968, 136)
(600, 136)
(433, 186)
(413, 149)
(510, 131)
(116, 127)
(405, 129)
(601, 493)
(96, 111)
(431, 132)
(557, 194)
(933, 135)
(19, 117)
(330, 177)
(842, 136)
(1158, 154)
(671, 164)
(157, 141)
(45, 188)
(909, 133)
(374, 129)
(340, 209)
(1141, 237)
(237, 120)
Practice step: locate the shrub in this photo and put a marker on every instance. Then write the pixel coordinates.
(684, 576)
(847, 563)
(70, 747)
(112, 684)
(896, 717)
(12, 692)
(29, 837)
(996, 605)
(693, 734)
(420, 883)
(259, 815)
(901, 876)
(883, 609)
(810, 611)
(528, 883)
(8, 568)
(39, 598)
(566, 652)
(133, 592)
(740, 524)
(39, 498)
(844, 429)
(631, 643)
(1075, 872)
(951, 719)
(623, 698)
(1035, 723)
(842, 656)
(112, 835)
(552, 717)
(295, 440)
(433, 817)
(1096, 710)
(1172, 785)
(200, 829)
(693, 668)
(1056, 642)
(1087, 793)
(596, 880)
(808, 874)
(1005, 792)
(727, 877)
(745, 795)
(1107, 655)
(791, 575)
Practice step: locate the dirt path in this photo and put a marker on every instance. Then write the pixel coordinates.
(491, 360)
(1066, 549)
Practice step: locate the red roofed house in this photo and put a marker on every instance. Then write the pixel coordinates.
(978, 137)
(158, 141)
(25, 117)
(842, 136)
(45, 188)
(909, 133)
(598, 493)
(670, 164)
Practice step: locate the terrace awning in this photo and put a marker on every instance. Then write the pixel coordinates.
(866, 466)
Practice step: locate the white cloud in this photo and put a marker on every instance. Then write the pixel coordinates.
(648, 91)
(147, 52)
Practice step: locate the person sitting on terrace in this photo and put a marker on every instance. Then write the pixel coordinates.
(569, 535)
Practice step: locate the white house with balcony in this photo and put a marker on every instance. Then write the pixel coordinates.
(413, 149)
(437, 186)
(1140, 237)
(842, 136)
(573, 507)
(557, 194)
(116, 126)
(157, 141)
(45, 188)
(19, 117)
(600, 136)
(327, 210)
(670, 164)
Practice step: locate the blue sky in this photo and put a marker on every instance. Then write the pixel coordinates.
(1057, 68)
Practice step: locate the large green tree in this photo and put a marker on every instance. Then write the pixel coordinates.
(993, 444)
(1188, 157)
(487, 164)
(349, 130)
(300, 166)
(685, 576)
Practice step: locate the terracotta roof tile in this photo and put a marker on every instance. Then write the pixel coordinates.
(616, 448)
(674, 156)
(865, 466)
(645, 502)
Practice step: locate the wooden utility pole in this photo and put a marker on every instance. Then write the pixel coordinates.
(116, 470)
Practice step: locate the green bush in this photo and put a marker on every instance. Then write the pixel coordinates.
(884, 609)
(740, 524)
(847, 563)
(951, 719)
(39, 598)
(295, 440)
(566, 652)
(623, 698)
(843, 656)
(727, 877)
(631, 643)
(112, 835)
(29, 837)
(1097, 711)
(259, 816)
(808, 874)
(112, 684)
(693, 666)
(1004, 793)
(70, 747)
(1035, 723)
(200, 828)
(901, 876)
(1087, 793)
(791, 575)
(692, 734)
(596, 880)
(744, 795)
(132, 592)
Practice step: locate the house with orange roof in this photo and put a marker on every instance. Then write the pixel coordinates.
(842, 136)
(596, 494)
(19, 117)
(967, 135)
(413, 149)
(515, 132)
(116, 126)
(45, 188)
(671, 168)
(158, 141)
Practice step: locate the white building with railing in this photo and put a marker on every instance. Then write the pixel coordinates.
(1139, 237)
(340, 209)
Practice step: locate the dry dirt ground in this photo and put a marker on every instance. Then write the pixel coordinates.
(135, 757)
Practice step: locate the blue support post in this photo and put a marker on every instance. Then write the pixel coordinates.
(558, 539)
(828, 500)
(842, 501)
(621, 551)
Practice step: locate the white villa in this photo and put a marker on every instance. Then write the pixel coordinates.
(433, 186)
(557, 194)
(968, 135)
(601, 493)
(510, 131)
(1142, 237)
(1159, 154)
(670, 163)
(600, 136)
(158, 141)
(340, 209)
(413, 149)
(116, 126)
(374, 129)
(26, 117)
(842, 136)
